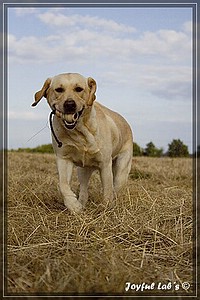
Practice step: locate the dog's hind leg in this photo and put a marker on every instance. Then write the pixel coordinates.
(107, 182)
(121, 168)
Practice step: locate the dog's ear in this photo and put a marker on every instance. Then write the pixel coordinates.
(92, 86)
(42, 92)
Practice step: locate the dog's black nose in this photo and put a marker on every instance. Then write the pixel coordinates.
(69, 106)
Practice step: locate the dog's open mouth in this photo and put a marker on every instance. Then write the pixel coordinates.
(70, 120)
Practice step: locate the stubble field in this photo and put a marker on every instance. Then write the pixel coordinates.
(145, 239)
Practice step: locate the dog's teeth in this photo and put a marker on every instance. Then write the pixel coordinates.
(59, 114)
(69, 123)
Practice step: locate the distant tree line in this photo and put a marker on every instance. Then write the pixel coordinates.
(175, 149)
(48, 148)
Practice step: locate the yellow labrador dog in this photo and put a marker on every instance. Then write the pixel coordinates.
(91, 137)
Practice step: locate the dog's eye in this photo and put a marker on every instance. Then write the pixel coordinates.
(59, 90)
(78, 89)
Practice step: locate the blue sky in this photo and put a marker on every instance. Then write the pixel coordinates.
(141, 59)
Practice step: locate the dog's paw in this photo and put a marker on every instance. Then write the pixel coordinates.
(73, 204)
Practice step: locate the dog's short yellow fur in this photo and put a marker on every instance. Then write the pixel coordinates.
(93, 137)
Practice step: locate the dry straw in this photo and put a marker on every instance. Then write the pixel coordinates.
(146, 237)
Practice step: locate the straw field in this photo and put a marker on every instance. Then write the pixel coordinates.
(142, 245)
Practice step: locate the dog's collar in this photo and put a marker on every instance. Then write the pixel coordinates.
(53, 112)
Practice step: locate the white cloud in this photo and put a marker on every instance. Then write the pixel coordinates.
(170, 44)
(167, 82)
(60, 20)
(187, 27)
(24, 115)
(157, 81)
(106, 34)
(76, 44)
(173, 90)
(167, 53)
(120, 57)
(22, 11)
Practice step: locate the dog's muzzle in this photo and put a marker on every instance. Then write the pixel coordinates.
(69, 120)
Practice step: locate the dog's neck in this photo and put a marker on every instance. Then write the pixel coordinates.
(88, 128)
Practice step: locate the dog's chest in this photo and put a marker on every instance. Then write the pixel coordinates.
(83, 157)
(81, 146)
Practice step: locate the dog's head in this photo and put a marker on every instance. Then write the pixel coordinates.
(68, 95)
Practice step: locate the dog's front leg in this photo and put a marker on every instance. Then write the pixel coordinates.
(65, 168)
(84, 176)
(107, 182)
